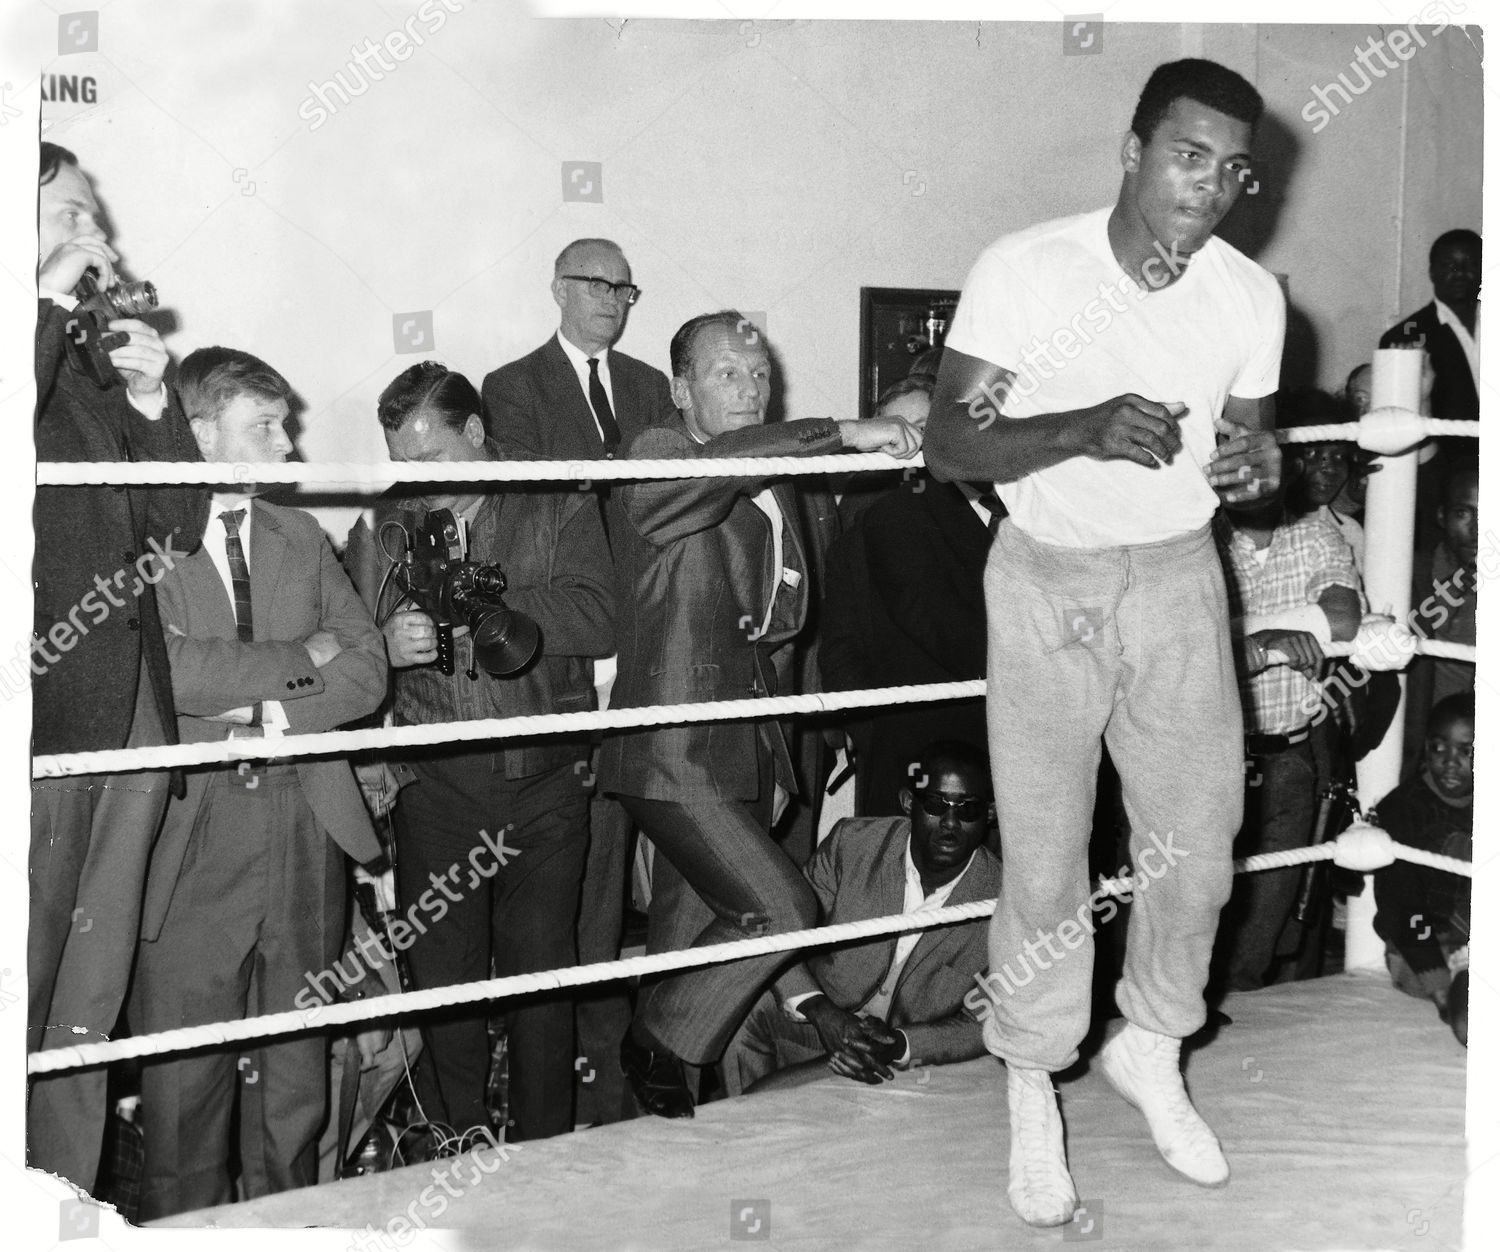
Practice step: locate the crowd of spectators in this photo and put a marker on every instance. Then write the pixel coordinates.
(506, 857)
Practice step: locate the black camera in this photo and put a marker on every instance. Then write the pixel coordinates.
(90, 341)
(455, 591)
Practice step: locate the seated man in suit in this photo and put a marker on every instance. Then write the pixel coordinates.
(897, 1000)
(246, 890)
(714, 578)
(579, 398)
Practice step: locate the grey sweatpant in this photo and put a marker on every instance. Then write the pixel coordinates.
(1130, 646)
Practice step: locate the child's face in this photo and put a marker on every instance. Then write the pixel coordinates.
(1459, 517)
(1449, 758)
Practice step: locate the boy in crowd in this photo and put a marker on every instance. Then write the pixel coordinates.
(1446, 594)
(1422, 913)
(1292, 588)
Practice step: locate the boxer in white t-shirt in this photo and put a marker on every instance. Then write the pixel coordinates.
(1114, 374)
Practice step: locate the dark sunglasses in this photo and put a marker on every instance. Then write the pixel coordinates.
(969, 809)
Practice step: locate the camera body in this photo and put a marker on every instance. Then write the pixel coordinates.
(90, 341)
(455, 591)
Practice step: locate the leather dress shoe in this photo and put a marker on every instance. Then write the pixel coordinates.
(656, 1078)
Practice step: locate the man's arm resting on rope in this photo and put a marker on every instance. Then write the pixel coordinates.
(969, 438)
(666, 510)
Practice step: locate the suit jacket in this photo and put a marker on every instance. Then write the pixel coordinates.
(296, 587)
(859, 872)
(694, 562)
(83, 698)
(904, 603)
(536, 409)
(1454, 395)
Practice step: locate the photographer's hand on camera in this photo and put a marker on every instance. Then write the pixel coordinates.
(143, 361)
(410, 638)
(322, 646)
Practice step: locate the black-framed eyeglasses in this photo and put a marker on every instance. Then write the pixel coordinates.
(968, 809)
(601, 287)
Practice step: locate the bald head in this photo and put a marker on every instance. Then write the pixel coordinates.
(590, 321)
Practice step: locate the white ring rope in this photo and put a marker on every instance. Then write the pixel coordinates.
(1359, 847)
(233, 751)
(1381, 430)
(363, 473)
(119, 760)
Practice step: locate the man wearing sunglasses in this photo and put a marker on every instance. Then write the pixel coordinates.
(867, 1009)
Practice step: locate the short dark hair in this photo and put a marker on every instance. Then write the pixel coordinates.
(951, 754)
(1311, 406)
(1207, 82)
(681, 351)
(54, 157)
(562, 257)
(910, 385)
(1463, 469)
(428, 385)
(1460, 238)
(1449, 709)
(1349, 382)
(210, 378)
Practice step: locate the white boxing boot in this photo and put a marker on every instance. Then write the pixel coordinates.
(1041, 1189)
(1145, 1068)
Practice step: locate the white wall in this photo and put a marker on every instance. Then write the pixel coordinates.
(773, 166)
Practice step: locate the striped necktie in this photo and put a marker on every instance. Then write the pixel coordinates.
(239, 574)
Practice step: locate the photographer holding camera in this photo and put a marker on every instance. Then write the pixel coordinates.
(504, 824)
(99, 662)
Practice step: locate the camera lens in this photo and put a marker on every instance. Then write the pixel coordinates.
(132, 299)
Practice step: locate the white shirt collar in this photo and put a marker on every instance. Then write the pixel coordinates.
(914, 882)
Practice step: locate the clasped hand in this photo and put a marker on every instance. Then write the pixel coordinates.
(859, 1047)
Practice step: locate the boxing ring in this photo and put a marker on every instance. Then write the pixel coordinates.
(1339, 1101)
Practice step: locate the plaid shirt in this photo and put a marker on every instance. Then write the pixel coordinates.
(1307, 556)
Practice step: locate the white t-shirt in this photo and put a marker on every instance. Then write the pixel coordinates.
(1053, 304)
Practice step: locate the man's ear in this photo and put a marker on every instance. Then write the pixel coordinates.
(1130, 153)
(681, 397)
(558, 287)
(204, 432)
(474, 430)
(903, 797)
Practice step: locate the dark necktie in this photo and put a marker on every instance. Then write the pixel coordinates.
(239, 574)
(990, 501)
(599, 398)
(239, 577)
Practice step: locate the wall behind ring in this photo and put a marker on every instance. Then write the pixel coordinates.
(776, 166)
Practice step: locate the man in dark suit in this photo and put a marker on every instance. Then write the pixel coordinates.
(246, 890)
(100, 681)
(714, 579)
(904, 604)
(550, 546)
(1448, 329)
(578, 398)
(867, 1008)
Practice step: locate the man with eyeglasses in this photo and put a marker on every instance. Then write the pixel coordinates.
(865, 1010)
(578, 398)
